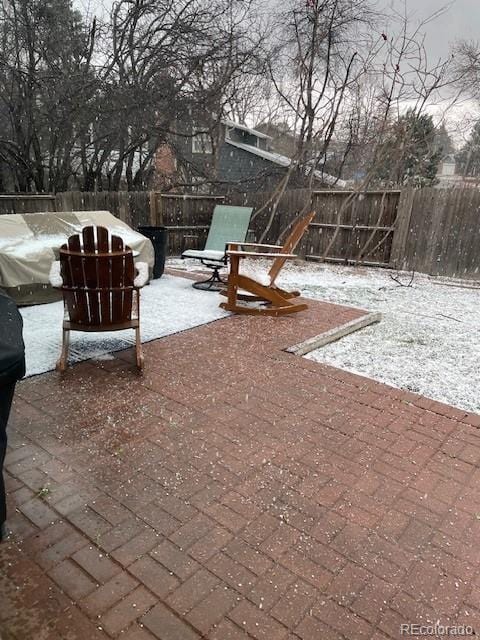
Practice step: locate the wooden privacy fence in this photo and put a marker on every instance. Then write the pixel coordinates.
(132, 207)
(438, 232)
(433, 231)
(26, 203)
(351, 226)
(186, 217)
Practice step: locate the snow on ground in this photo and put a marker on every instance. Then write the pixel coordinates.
(168, 305)
(428, 340)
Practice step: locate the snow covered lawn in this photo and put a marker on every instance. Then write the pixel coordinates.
(168, 305)
(428, 340)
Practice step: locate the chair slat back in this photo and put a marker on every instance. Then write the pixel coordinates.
(72, 272)
(290, 244)
(104, 276)
(90, 275)
(98, 273)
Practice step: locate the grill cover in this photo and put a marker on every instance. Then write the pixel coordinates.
(30, 242)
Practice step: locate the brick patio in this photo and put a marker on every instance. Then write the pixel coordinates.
(236, 491)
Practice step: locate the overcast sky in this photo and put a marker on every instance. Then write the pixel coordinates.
(461, 20)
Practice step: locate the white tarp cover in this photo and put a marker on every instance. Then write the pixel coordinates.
(30, 242)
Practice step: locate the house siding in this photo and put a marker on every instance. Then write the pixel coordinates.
(251, 172)
(233, 166)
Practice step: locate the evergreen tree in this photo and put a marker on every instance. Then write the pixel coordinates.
(443, 142)
(410, 155)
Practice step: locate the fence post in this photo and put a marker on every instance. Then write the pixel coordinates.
(159, 209)
(402, 227)
(439, 211)
(59, 202)
(153, 208)
(123, 208)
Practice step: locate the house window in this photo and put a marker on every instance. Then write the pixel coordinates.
(250, 139)
(201, 143)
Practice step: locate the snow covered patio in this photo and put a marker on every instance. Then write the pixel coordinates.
(168, 305)
(236, 491)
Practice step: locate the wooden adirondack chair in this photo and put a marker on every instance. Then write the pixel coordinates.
(245, 288)
(96, 275)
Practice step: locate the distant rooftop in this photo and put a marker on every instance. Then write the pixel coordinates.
(243, 127)
(284, 161)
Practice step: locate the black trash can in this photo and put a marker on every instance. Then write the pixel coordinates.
(12, 368)
(158, 237)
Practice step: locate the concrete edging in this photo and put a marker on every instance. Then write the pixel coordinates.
(302, 348)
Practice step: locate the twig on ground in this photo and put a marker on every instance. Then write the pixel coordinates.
(449, 317)
(400, 283)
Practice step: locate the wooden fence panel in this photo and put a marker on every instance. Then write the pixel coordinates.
(355, 226)
(186, 217)
(443, 235)
(367, 221)
(26, 203)
(132, 207)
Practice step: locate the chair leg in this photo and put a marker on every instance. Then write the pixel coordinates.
(63, 360)
(278, 305)
(288, 294)
(249, 297)
(214, 283)
(138, 350)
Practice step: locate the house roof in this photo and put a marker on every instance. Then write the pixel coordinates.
(243, 127)
(285, 161)
(449, 159)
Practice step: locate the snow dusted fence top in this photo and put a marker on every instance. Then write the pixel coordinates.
(435, 231)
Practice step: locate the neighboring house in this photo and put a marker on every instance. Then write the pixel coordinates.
(447, 166)
(447, 175)
(233, 154)
(448, 178)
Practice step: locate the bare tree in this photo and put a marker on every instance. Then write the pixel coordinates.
(344, 76)
(45, 79)
(90, 103)
(323, 52)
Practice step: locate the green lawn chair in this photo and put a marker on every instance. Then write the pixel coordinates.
(229, 224)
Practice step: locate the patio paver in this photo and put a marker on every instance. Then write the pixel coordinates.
(237, 491)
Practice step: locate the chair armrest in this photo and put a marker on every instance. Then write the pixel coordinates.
(55, 277)
(260, 246)
(257, 254)
(141, 278)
